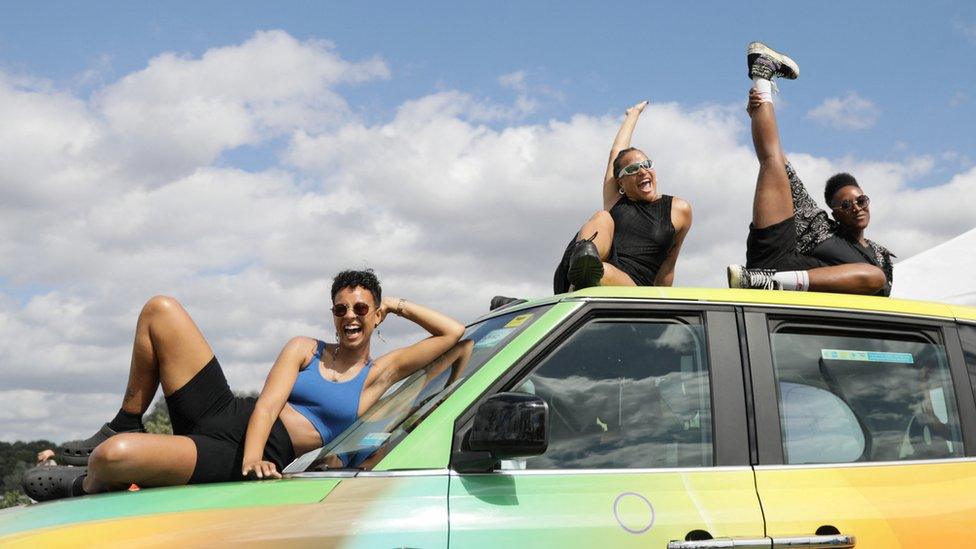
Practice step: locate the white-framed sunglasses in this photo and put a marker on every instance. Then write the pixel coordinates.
(631, 169)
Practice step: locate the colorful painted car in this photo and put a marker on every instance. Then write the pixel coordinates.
(613, 417)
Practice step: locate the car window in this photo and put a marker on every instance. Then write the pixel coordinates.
(967, 333)
(850, 395)
(407, 403)
(625, 394)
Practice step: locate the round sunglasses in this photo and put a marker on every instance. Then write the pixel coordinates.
(861, 201)
(358, 309)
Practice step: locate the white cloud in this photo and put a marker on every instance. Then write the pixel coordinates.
(966, 28)
(849, 112)
(108, 201)
(958, 98)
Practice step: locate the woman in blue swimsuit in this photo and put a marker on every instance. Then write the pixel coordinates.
(313, 392)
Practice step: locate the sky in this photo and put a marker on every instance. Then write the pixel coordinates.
(236, 155)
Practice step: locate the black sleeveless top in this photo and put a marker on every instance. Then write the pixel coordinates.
(642, 237)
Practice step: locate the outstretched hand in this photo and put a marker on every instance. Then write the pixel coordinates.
(261, 469)
(636, 109)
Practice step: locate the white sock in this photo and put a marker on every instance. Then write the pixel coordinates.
(764, 87)
(797, 281)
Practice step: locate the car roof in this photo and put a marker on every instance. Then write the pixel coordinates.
(820, 300)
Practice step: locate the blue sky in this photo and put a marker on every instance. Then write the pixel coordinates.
(916, 62)
(236, 155)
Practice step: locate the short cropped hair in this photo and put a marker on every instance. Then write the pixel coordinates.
(836, 183)
(618, 161)
(351, 279)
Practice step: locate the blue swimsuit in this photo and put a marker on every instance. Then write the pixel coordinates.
(330, 406)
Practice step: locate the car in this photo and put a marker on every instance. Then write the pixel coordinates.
(619, 417)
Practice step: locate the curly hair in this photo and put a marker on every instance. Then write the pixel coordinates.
(836, 183)
(363, 279)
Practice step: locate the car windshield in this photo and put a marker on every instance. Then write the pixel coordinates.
(409, 401)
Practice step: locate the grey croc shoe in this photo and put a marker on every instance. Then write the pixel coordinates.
(77, 452)
(47, 482)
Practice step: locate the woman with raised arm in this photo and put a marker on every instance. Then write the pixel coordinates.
(314, 391)
(635, 239)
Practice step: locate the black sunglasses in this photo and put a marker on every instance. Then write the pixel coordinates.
(861, 201)
(359, 309)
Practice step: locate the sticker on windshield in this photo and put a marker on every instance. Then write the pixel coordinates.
(374, 439)
(867, 356)
(493, 337)
(519, 320)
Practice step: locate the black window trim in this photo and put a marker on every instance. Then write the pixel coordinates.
(730, 442)
(760, 320)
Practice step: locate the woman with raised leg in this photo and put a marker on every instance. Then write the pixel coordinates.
(312, 393)
(636, 238)
(792, 244)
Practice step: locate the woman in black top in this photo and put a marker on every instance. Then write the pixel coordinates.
(635, 239)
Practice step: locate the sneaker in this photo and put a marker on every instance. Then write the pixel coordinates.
(585, 265)
(759, 279)
(501, 301)
(765, 62)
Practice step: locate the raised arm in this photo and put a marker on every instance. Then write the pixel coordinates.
(277, 387)
(620, 142)
(681, 219)
(444, 333)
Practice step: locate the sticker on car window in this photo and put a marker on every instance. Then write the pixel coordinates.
(867, 356)
(493, 337)
(518, 320)
(374, 439)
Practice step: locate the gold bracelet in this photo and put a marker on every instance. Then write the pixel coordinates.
(399, 309)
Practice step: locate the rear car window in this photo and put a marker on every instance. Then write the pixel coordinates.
(967, 332)
(856, 395)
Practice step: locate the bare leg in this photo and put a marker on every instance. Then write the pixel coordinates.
(852, 278)
(168, 349)
(601, 224)
(773, 201)
(139, 458)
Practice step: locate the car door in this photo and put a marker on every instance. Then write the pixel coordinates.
(647, 444)
(864, 428)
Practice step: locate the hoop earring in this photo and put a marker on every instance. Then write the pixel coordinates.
(621, 190)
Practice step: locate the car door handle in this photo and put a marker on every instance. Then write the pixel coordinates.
(832, 541)
(829, 541)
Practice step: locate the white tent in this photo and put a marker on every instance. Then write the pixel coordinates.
(944, 273)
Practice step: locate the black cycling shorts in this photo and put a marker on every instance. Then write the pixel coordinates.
(774, 247)
(206, 411)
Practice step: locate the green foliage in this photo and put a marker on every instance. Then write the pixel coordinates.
(157, 420)
(15, 458)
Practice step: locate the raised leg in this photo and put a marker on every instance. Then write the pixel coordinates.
(139, 458)
(168, 349)
(773, 201)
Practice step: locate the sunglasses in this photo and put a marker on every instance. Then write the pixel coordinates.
(861, 201)
(631, 169)
(359, 309)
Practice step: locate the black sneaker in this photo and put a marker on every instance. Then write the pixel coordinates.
(585, 265)
(759, 279)
(765, 62)
(501, 301)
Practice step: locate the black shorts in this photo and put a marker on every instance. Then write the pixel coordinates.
(774, 247)
(206, 411)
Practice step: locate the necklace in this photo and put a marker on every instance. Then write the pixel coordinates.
(334, 373)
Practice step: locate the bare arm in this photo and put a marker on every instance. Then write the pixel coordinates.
(444, 330)
(620, 142)
(681, 219)
(277, 387)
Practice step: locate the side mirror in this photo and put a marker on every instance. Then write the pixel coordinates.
(506, 426)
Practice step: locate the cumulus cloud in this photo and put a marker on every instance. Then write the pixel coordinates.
(848, 112)
(109, 198)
